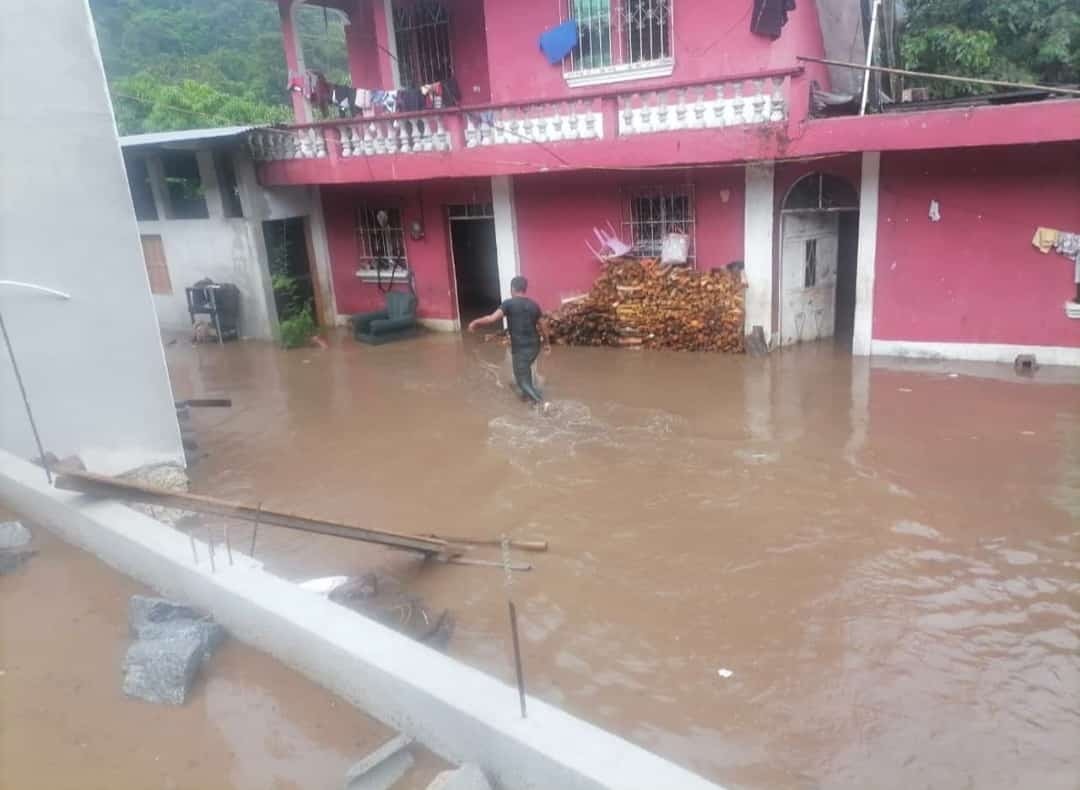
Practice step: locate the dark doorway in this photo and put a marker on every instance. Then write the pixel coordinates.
(290, 267)
(847, 262)
(476, 266)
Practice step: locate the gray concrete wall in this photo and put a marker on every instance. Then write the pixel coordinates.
(94, 365)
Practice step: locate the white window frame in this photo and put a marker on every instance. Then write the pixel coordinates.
(626, 64)
(373, 238)
(645, 234)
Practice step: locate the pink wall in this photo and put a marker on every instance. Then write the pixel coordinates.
(469, 40)
(429, 257)
(974, 277)
(556, 215)
(362, 39)
(711, 39)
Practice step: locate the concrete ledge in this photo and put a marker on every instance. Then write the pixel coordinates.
(458, 712)
(975, 352)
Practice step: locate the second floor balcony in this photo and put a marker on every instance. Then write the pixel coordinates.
(599, 129)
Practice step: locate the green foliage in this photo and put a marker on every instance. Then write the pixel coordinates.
(1017, 40)
(298, 330)
(183, 64)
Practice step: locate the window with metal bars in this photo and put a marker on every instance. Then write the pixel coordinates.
(380, 239)
(651, 214)
(422, 32)
(616, 35)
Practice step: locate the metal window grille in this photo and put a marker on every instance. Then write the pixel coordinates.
(422, 31)
(614, 34)
(650, 214)
(380, 238)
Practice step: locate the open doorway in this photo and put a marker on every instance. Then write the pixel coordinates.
(818, 253)
(476, 263)
(290, 267)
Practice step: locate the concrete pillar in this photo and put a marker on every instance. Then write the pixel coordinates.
(864, 276)
(386, 42)
(294, 56)
(758, 246)
(320, 249)
(366, 59)
(215, 205)
(506, 239)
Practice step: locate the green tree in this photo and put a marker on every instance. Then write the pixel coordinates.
(1018, 40)
(196, 55)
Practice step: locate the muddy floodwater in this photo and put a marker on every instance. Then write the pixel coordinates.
(249, 724)
(802, 571)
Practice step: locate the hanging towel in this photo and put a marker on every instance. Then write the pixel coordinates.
(1045, 239)
(770, 16)
(558, 42)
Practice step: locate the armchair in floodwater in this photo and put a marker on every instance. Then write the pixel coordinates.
(396, 322)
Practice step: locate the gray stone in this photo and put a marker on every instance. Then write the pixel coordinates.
(153, 618)
(467, 777)
(162, 670)
(383, 768)
(12, 559)
(13, 535)
(145, 610)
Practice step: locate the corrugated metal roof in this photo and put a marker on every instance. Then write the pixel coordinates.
(184, 136)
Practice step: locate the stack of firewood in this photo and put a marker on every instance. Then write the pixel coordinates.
(647, 304)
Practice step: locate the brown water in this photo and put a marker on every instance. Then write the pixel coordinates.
(887, 560)
(250, 723)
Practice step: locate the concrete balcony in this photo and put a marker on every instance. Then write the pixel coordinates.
(680, 124)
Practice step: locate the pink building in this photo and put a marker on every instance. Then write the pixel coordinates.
(907, 232)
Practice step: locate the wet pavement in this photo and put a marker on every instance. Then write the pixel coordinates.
(250, 723)
(802, 571)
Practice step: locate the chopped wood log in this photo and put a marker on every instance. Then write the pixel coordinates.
(646, 304)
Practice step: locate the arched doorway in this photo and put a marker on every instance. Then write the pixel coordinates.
(818, 252)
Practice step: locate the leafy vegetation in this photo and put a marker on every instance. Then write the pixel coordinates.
(1017, 40)
(184, 64)
(298, 330)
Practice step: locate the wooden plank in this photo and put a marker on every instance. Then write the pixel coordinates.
(99, 485)
(514, 566)
(521, 545)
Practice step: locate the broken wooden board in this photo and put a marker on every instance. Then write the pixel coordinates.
(521, 545)
(108, 487)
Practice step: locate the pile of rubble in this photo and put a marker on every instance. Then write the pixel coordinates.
(652, 305)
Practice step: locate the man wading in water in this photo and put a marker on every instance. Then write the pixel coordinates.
(523, 315)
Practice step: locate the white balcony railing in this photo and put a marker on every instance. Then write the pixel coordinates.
(739, 103)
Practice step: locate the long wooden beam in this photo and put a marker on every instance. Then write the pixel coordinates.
(108, 487)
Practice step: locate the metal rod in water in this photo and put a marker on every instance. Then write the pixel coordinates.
(210, 542)
(194, 554)
(255, 530)
(228, 546)
(26, 401)
(517, 658)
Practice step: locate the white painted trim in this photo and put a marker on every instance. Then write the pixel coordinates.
(975, 352)
(506, 235)
(615, 74)
(1072, 309)
(758, 246)
(391, 42)
(440, 324)
(456, 711)
(864, 272)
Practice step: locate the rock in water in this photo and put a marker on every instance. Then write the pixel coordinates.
(162, 670)
(144, 610)
(13, 535)
(467, 777)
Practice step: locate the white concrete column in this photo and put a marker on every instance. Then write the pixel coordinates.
(758, 246)
(864, 275)
(320, 248)
(391, 42)
(156, 173)
(215, 205)
(506, 238)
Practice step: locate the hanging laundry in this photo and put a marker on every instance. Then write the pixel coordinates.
(557, 42)
(432, 93)
(362, 102)
(1045, 239)
(770, 16)
(317, 90)
(343, 97)
(410, 100)
(385, 100)
(1068, 244)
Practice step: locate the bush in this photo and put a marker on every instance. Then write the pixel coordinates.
(298, 330)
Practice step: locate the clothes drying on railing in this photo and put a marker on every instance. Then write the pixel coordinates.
(349, 101)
